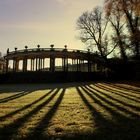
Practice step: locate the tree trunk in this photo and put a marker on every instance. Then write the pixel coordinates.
(137, 49)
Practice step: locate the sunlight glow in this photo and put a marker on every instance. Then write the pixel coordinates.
(41, 22)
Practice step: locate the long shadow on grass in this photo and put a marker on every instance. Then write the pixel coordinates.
(107, 98)
(25, 107)
(124, 103)
(8, 131)
(110, 106)
(137, 89)
(38, 131)
(134, 84)
(120, 129)
(121, 88)
(15, 96)
(103, 125)
(133, 95)
(131, 98)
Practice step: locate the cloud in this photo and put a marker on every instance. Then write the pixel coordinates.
(61, 1)
(45, 21)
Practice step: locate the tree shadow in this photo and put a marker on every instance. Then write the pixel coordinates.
(124, 103)
(132, 94)
(113, 100)
(136, 89)
(127, 88)
(9, 130)
(124, 89)
(38, 132)
(119, 129)
(15, 96)
(103, 125)
(25, 107)
(130, 85)
(131, 98)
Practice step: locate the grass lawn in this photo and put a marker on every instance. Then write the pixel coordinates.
(93, 110)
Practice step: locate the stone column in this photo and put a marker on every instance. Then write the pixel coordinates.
(52, 64)
(74, 66)
(40, 63)
(62, 64)
(36, 64)
(13, 68)
(77, 65)
(39, 59)
(24, 64)
(16, 65)
(7, 65)
(31, 64)
(80, 65)
(13, 65)
(43, 63)
(65, 64)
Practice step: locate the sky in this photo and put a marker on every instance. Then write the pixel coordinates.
(43, 22)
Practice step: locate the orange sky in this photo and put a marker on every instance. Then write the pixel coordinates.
(44, 22)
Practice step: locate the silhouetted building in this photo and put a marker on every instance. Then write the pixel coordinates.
(35, 60)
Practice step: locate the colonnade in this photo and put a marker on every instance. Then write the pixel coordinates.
(38, 56)
(38, 64)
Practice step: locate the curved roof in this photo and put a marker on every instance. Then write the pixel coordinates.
(52, 52)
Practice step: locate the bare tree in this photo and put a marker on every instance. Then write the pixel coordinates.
(116, 19)
(92, 26)
(131, 11)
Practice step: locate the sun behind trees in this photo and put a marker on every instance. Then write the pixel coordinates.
(113, 27)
